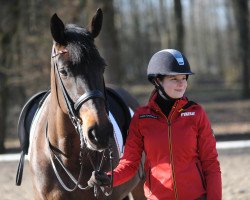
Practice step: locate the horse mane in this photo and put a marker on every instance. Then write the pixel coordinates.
(81, 47)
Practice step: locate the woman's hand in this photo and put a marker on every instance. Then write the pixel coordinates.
(99, 179)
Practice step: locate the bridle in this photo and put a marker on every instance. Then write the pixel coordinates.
(73, 109)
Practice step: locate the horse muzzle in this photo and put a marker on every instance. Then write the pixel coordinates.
(97, 136)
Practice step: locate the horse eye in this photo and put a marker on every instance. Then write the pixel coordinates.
(63, 72)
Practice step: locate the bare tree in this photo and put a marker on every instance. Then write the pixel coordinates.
(5, 65)
(241, 13)
(179, 36)
(3, 110)
(164, 25)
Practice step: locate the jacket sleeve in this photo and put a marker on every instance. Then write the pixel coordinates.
(209, 158)
(130, 161)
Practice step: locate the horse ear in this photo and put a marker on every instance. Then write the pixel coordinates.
(96, 23)
(57, 29)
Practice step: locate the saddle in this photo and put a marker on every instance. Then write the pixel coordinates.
(119, 110)
(23, 128)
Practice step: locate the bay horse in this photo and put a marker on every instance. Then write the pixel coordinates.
(72, 134)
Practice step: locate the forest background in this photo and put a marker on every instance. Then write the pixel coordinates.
(213, 34)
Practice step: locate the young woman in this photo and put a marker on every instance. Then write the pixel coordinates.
(176, 136)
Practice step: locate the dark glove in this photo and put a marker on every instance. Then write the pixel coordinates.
(99, 179)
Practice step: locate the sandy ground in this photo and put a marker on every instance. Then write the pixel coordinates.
(235, 166)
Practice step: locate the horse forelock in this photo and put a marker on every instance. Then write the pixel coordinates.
(81, 47)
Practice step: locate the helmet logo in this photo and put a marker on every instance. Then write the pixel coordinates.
(177, 55)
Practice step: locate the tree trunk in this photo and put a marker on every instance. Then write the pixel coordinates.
(9, 69)
(3, 112)
(179, 37)
(3, 91)
(241, 13)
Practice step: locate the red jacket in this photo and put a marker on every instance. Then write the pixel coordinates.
(181, 157)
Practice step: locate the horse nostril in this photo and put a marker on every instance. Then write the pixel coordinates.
(99, 137)
(92, 134)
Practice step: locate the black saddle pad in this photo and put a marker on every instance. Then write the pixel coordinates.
(23, 128)
(120, 111)
(26, 116)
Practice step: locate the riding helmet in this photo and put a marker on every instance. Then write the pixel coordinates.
(167, 62)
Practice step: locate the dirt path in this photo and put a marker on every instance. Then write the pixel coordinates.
(8, 189)
(234, 165)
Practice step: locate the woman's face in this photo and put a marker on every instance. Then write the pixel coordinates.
(174, 85)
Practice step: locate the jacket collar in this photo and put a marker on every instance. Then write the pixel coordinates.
(179, 102)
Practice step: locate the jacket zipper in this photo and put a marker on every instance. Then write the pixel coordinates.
(171, 159)
(171, 151)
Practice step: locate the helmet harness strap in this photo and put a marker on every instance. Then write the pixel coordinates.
(162, 92)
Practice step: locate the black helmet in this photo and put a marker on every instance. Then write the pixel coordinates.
(168, 62)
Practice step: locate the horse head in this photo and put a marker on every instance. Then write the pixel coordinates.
(77, 79)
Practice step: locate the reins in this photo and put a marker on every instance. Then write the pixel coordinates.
(77, 182)
(72, 109)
